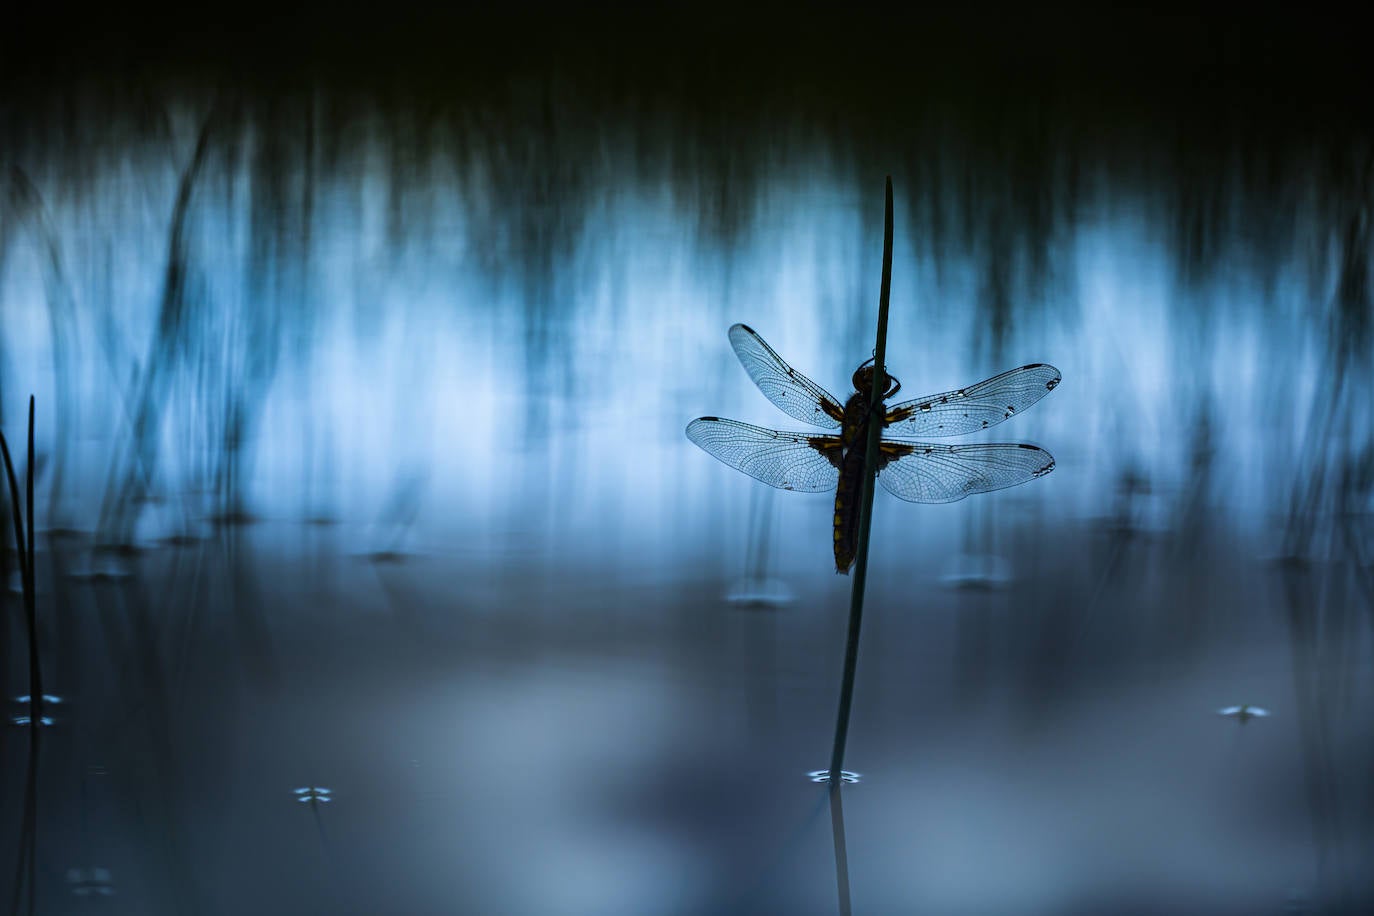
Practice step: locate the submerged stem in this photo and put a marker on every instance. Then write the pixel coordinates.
(841, 850)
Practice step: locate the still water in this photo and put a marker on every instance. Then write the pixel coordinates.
(375, 573)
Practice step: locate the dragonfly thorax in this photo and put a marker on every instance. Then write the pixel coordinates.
(854, 429)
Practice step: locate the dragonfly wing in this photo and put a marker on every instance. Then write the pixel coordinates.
(790, 461)
(966, 410)
(790, 391)
(924, 472)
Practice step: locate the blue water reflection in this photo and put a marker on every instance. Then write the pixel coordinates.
(408, 393)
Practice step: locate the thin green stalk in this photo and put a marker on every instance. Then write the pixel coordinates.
(17, 511)
(30, 601)
(26, 565)
(875, 432)
(27, 863)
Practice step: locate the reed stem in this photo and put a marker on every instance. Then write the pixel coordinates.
(875, 432)
(26, 865)
(24, 542)
(30, 598)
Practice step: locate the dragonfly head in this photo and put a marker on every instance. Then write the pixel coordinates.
(863, 381)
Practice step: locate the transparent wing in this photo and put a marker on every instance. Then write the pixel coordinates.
(791, 461)
(790, 391)
(1257, 711)
(966, 410)
(923, 472)
(1228, 711)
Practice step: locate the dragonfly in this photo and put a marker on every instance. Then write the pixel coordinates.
(911, 469)
(84, 883)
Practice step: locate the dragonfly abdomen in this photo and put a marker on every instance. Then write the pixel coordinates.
(850, 488)
(848, 508)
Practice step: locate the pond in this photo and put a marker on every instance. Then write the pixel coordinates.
(375, 572)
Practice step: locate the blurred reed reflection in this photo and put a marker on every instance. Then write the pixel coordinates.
(267, 329)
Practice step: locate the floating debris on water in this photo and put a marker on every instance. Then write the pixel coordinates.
(181, 540)
(109, 568)
(126, 549)
(1243, 714)
(760, 593)
(386, 557)
(88, 882)
(977, 572)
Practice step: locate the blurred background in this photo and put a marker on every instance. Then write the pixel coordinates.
(362, 350)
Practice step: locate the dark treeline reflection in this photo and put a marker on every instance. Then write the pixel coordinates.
(362, 355)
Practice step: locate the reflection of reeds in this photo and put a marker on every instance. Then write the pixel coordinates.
(62, 318)
(1325, 572)
(133, 477)
(841, 847)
